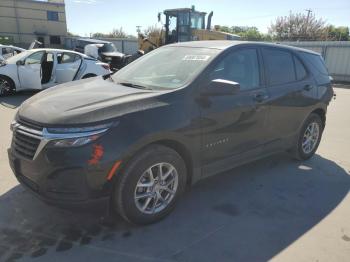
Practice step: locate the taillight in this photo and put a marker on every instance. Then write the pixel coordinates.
(105, 66)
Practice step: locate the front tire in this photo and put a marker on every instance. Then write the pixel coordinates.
(7, 87)
(309, 137)
(149, 186)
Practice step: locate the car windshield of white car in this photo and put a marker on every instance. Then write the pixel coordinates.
(20, 56)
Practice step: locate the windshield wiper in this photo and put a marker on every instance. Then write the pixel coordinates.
(128, 84)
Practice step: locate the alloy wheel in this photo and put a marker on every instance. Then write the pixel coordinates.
(310, 138)
(156, 188)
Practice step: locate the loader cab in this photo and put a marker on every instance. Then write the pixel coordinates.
(180, 22)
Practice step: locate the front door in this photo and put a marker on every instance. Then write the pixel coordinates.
(30, 73)
(234, 126)
(67, 66)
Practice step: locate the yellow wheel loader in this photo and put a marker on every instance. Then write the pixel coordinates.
(181, 25)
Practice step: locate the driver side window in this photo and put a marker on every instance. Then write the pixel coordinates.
(35, 58)
(240, 66)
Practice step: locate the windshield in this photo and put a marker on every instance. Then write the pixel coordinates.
(20, 56)
(106, 48)
(196, 21)
(166, 67)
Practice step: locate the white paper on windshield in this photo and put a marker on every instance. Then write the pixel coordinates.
(196, 57)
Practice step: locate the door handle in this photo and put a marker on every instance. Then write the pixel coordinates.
(260, 97)
(308, 87)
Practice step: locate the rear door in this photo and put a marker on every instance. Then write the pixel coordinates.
(234, 125)
(67, 66)
(292, 93)
(30, 73)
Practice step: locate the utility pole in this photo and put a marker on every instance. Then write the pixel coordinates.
(17, 23)
(138, 29)
(307, 20)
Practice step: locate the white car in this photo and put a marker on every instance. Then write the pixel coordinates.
(6, 51)
(43, 68)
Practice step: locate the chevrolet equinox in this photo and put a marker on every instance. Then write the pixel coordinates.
(136, 139)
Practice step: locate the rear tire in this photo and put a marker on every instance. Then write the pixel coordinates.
(7, 87)
(309, 137)
(140, 199)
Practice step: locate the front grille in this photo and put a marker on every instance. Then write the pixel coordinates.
(29, 124)
(26, 139)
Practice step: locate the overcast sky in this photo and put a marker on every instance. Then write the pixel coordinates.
(88, 16)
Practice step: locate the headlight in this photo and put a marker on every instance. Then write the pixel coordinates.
(74, 141)
(75, 136)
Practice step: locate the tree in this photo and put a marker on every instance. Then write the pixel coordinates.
(245, 32)
(340, 33)
(152, 30)
(98, 35)
(251, 34)
(116, 33)
(298, 26)
(71, 34)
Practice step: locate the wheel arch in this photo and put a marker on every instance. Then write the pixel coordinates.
(183, 151)
(88, 75)
(322, 113)
(11, 80)
(175, 145)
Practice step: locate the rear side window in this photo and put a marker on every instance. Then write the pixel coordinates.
(317, 62)
(67, 58)
(299, 69)
(279, 66)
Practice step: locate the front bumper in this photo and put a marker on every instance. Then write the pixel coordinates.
(60, 179)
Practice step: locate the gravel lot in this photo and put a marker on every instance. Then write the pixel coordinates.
(275, 208)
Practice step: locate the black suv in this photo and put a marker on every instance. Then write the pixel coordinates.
(180, 113)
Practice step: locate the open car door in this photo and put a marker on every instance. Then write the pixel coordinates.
(67, 67)
(30, 72)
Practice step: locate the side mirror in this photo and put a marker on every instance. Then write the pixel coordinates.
(221, 87)
(20, 62)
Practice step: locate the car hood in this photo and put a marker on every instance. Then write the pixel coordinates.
(86, 101)
(113, 54)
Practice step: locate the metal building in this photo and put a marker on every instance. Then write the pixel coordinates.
(335, 53)
(22, 21)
